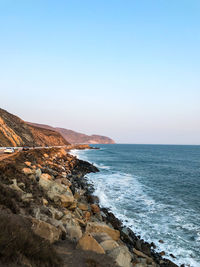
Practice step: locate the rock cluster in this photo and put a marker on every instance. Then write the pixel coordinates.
(50, 193)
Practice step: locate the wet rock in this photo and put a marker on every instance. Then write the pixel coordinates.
(144, 247)
(171, 255)
(142, 255)
(87, 242)
(161, 241)
(153, 245)
(162, 253)
(102, 228)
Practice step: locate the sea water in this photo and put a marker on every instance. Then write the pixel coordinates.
(154, 190)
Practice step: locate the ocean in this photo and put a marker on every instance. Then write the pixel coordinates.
(154, 190)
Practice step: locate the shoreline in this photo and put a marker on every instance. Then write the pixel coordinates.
(46, 196)
(132, 240)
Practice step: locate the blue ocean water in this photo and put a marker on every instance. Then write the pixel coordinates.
(155, 190)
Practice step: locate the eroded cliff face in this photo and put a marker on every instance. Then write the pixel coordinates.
(16, 132)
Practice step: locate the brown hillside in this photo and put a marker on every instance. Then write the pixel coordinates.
(16, 132)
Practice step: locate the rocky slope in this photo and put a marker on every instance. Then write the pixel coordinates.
(77, 138)
(16, 132)
(49, 217)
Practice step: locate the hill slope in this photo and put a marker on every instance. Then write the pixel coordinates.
(16, 132)
(75, 137)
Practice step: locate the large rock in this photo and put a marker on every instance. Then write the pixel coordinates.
(73, 229)
(83, 206)
(121, 256)
(108, 245)
(141, 254)
(27, 163)
(45, 230)
(101, 237)
(87, 242)
(95, 227)
(60, 194)
(27, 171)
(38, 173)
(46, 176)
(95, 208)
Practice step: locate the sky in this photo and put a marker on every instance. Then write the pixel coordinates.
(128, 69)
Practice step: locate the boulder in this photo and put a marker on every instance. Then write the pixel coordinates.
(60, 194)
(64, 200)
(95, 208)
(83, 206)
(87, 216)
(27, 163)
(121, 256)
(95, 227)
(27, 197)
(108, 245)
(87, 242)
(73, 229)
(73, 206)
(142, 255)
(44, 202)
(38, 173)
(45, 176)
(27, 171)
(45, 230)
(101, 237)
(14, 186)
(56, 214)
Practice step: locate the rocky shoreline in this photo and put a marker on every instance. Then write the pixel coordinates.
(50, 217)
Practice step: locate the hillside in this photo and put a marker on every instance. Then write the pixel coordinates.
(75, 137)
(16, 132)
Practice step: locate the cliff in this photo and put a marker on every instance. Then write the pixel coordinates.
(76, 137)
(15, 132)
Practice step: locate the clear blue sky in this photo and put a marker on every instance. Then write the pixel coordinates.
(126, 69)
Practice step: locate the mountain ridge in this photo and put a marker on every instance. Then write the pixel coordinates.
(76, 137)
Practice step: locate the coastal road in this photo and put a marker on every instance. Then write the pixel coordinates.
(4, 156)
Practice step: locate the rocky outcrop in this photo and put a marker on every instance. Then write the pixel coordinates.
(77, 138)
(16, 132)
